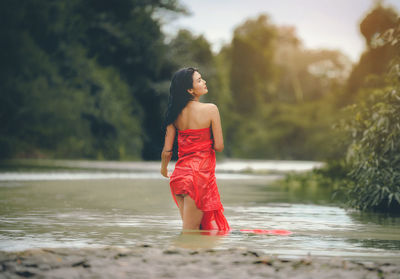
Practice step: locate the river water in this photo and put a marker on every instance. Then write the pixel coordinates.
(125, 204)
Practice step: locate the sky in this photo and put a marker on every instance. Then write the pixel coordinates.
(328, 24)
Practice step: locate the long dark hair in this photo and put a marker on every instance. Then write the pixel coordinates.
(182, 80)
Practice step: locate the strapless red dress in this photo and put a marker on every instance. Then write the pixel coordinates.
(194, 175)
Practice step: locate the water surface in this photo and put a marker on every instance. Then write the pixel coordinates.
(67, 208)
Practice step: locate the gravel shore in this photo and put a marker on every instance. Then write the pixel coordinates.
(150, 262)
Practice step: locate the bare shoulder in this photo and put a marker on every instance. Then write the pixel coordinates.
(210, 107)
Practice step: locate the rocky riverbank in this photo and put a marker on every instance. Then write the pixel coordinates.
(150, 262)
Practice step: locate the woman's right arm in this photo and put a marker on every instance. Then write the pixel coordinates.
(166, 153)
(216, 128)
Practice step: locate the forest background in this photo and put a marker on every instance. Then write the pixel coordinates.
(90, 79)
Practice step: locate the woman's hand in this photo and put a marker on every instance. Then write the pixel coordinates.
(166, 153)
(165, 173)
(165, 158)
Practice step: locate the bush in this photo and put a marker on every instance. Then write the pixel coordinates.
(325, 184)
(374, 154)
(369, 176)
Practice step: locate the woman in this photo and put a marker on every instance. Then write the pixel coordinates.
(193, 184)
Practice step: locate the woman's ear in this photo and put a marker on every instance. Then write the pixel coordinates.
(190, 91)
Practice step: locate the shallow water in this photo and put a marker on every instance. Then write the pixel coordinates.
(99, 208)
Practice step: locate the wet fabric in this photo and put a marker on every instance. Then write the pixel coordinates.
(194, 175)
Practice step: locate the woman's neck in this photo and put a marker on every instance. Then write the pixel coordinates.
(196, 99)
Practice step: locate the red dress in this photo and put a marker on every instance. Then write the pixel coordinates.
(194, 175)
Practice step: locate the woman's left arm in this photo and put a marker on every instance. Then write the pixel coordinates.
(216, 128)
(166, 153)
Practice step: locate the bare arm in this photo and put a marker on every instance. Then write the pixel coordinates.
(217, 129)
(166, 153)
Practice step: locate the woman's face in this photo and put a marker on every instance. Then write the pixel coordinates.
(199, 85)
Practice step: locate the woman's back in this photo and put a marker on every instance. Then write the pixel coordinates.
(195, 115)
(198, 115)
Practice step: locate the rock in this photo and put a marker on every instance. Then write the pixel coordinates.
(264, 260)
(26, 274)
(81, 263)
(171, 252)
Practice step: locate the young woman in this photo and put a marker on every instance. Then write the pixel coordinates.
(193, 184)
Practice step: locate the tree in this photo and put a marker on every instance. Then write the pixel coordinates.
(374, 152)
(375, 60)
(304, 74)
(80, 78)
(252, 73)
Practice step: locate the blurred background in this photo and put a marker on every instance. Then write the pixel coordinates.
(90, 79)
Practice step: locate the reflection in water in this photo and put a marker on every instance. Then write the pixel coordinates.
(381, 219)
(377, 243)
(126, 212)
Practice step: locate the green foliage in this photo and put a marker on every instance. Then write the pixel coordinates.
(376, 59)
(378, 20)
(185, 50)
(320, 185)
(90, 79)
(374, 153)
(306, 75)
(80, 78)
(252, 71)
(286, 131)
(279, 99)
(368, 177)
